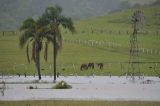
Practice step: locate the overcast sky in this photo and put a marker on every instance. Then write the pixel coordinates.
(140, 1)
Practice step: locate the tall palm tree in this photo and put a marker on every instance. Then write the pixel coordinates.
(55, 19)
(33, 33)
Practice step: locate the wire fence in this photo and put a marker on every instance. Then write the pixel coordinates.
(116, 32)
(108, 69)
(95, 31)
(107, 44)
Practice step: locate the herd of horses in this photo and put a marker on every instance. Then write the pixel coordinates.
(91, 66)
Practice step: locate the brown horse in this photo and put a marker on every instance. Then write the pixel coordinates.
(84, 67)
(100, 65)
(91, 65)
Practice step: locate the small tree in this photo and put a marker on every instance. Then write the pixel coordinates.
(53, 16)
(33, 32)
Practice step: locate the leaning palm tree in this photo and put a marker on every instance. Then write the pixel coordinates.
(55, 19)
(33, 33)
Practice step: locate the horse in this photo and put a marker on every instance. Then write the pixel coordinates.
(91, 65)
(84, 67)
(100, 65)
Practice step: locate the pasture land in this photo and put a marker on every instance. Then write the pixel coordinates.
(104, 39)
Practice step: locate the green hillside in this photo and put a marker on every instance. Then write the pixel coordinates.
(103, 39)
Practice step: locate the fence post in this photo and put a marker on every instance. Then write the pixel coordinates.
(110, 74)
(143, 50)
(147, 51)
(50, 70)
(108, 44)
(92, 43)
(74, 67)
(25, 75)
(122, 68)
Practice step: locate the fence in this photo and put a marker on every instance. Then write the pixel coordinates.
(95, 31)
(106, 44)
(109, 69)
(9, 33)
(116, 32)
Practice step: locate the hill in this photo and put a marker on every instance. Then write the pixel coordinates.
(13, 12)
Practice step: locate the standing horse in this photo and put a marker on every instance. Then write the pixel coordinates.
(100, 65)
(84, 67)
(91, 65)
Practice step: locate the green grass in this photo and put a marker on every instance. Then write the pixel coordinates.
(106, 30)
(77, 103)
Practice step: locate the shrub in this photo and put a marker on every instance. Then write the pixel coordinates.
(62, 85)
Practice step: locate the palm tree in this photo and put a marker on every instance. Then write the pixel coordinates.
(33, 32)
(55, 19)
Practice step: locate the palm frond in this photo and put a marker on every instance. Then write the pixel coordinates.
(59, 38)
(28, 24)
(58, 10)
(67, 23)
(27, 53)
(52, 13)
(40, 46)
(33, 51)
(49, 37)
(25, 37)
(46, 51)
(42, 21)
(59, 42)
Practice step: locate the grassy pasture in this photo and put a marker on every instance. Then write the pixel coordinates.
(78, 103)
(113, 33)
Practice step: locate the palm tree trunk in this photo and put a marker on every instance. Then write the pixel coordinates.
(54, 56)
(38, 60)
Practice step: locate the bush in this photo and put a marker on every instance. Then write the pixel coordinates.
(62, 85)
